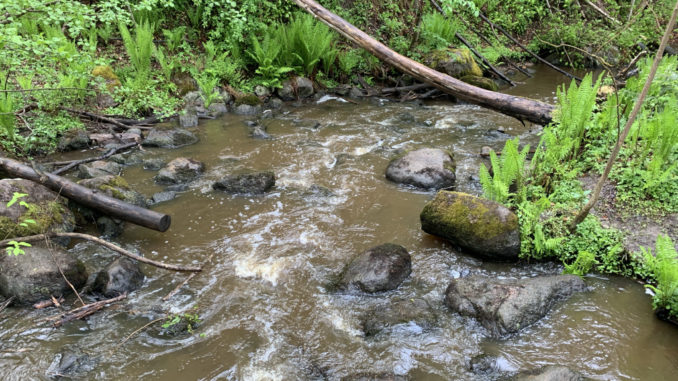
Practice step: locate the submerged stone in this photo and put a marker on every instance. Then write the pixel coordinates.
(246, 183)
(381, 268)
(402, 311)
(482, 227)
(169, 138)
(99, 168)
(508, 305)
(550, 373)
(426, 168)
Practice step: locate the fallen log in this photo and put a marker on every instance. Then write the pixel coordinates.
(89, 198)
(74, 163)
(518, 107)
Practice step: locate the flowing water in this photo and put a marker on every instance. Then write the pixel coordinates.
(265, 309)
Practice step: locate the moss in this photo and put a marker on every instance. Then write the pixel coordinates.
(105, 72)
(455, 62)
(482, 82)
(454, 214)
(45, 216)
(249, 99)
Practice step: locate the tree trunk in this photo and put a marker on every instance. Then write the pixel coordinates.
(89, 198)
(518, 107)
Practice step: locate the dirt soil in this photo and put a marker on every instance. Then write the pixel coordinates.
(640, 230)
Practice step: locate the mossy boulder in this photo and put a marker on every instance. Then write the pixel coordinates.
(481, 227)
(116, 187)
(34, 276)
(48, 211)
(457, 63)
(248, 99)
(427, 168)
(106, 73)
(482, 82)
(508, 305)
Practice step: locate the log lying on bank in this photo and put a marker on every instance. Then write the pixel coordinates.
(518, 107)
(89, 198)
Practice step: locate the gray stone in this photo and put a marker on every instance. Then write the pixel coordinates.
(194, 99)
(50, 211)
(275, 103)
(262, 91)
(375, 377)
(482, 227)
(163, 197)
(257, 131)
(180, 170)
(381, 268)
(217, 109)
(246, 183)
(169, 138)
(189, 118)
(34, 276)
(110, 227)
(302, 85)
(73, 140)
(245, 109)
(508, 305)
(550, 373)
(426, 168)
(286, 92)
(355, 93)
(123, 275)
(127, 158)
(98, 168)
(401, 311)
(72, 363)
(226, 97)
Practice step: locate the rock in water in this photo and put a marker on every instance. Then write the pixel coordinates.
(169, 138)
(550, 373)
(509, 305)
(99, 168)
(426, 168)
(180, 170)
(483, 227)
(34, 276)
(381, 268)
(401, 311)
(246, 183)
(120, 276)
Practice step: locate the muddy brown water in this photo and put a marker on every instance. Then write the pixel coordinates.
(265, 311)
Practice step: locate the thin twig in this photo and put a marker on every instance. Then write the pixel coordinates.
(97, 118)
(178, 287)
(82, 312)
(139, 330)
(48, 303)
(49, 247)
(107, 244)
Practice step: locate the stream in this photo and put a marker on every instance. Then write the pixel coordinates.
(266, 311)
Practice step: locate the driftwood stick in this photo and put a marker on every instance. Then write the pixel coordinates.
(631, 64)
(98, 118)
(526, 50)
(89, 198)
(107, 244)
(482, 58)
(6, 303)
(421, 86)
(126, 339)
(111, 152)
(82, 312)
(48, 303)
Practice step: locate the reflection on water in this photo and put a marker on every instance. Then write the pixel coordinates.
(266, 311)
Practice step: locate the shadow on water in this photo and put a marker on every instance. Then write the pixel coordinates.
(266, 314)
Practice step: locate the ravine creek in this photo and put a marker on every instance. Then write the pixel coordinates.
(265, 311)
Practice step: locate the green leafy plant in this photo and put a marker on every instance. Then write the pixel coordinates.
(139, 48)
(663, 269)
(15, 248)
(190, 320)
(508, 172)
(582, 265)
(305, 43)
(437, 31)
(265, 54)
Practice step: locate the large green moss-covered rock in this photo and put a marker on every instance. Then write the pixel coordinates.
(482, 227)
(457, 63)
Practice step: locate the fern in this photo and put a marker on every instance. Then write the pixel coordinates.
(140, 48)
(509, 171)
(663, 269)
(305, 43)
(582, 265)
(437, 31)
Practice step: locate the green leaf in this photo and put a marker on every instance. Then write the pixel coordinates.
(15, 197)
